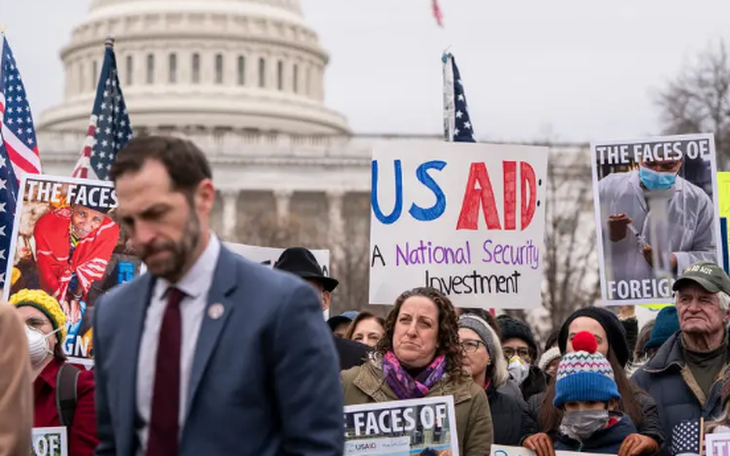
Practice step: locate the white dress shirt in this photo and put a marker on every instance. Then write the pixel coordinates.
(195, 284)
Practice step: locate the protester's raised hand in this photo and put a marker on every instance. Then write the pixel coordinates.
(637, 444)
(541, 444)
(618, 226)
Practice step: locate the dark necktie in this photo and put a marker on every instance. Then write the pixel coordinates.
(164, 422)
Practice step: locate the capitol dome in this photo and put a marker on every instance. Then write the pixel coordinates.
(201, 66)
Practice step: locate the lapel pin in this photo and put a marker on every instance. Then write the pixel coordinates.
(216, 311)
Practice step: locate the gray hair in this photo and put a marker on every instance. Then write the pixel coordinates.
(499, 372)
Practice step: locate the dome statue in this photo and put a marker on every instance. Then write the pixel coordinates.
(201, 66)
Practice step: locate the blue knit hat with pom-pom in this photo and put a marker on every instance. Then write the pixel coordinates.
(584, 375)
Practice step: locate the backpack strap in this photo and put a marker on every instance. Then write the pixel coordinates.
(66, 384)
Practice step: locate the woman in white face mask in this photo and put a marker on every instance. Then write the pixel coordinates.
(63, 394)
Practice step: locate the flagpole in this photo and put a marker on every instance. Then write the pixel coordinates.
(110, 41)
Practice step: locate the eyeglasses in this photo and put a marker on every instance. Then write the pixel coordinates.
(522, 352)
(471, 346)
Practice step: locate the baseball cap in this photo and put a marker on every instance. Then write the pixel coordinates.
(337, 320)
(708, 275)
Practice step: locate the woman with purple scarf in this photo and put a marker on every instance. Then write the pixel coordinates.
(420, 356)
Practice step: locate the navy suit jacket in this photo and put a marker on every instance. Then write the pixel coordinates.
(264, 380)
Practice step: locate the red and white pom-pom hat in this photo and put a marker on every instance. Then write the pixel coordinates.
(584, 375)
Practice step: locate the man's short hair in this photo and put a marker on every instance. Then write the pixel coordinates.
(186, 164)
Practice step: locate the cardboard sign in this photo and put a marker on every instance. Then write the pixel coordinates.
(717, 444)
(468, 219)
(656, 214)
(268, 255)
(67, 242)
(402, 427)
(503, 450)
(49, 441)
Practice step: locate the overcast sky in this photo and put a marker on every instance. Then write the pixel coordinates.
(573, 70)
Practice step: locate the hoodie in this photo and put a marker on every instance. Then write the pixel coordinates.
(607, 440)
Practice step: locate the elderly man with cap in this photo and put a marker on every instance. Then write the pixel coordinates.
(684, 374)
(73, 244)
(302, 263)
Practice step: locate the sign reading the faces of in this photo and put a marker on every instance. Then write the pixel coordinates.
(402, 427)
(66, 241)
(656, 207)
(49, 441)
(467, 219)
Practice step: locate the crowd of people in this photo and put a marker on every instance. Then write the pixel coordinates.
(209, 354)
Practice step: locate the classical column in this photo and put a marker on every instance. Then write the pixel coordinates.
(230, 211)
(283, 200)
(336, 224)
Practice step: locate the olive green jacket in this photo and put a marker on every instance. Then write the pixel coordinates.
(365, 385)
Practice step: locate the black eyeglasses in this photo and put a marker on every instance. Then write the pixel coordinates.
(522, 352)
(471, 346)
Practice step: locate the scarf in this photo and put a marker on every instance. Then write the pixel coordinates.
(406, 387)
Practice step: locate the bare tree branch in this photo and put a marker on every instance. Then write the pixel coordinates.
(698, 100)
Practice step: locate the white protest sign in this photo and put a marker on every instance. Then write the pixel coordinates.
(503, 450)
(268, 255)
(49, 441)
(717, 444)
(657, 213)
(468, 219)
(402, 427)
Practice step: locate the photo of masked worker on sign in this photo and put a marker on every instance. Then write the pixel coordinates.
(653, 221)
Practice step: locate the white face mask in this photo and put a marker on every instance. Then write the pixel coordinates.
(38, 345)
(518, 369)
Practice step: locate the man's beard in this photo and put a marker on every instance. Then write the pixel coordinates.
(181, 252)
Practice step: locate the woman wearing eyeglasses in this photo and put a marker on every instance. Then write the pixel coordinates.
(484, 360)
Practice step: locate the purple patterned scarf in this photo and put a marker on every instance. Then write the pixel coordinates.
(406, 387)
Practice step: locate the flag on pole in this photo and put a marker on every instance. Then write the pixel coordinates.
(457, 124)
(437, 13)
(109, 128)
(18, 148)
(18, 132)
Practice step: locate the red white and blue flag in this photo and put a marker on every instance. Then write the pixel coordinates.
(109, 128)
(18, 147)
(457, 123)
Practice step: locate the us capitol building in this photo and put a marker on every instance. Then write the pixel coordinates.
(243, 79)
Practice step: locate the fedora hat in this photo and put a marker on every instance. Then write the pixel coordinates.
(301, 262)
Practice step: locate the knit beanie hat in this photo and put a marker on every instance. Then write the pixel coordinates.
(479, 326)
(548, 357)
(42, 301)
(610, 323)
(513, 328)
(666, 324)
(584, 374)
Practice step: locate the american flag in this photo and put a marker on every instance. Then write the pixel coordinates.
(686, 439)
(109, 128)
(18, 148)
(457, 124)
(437, 14)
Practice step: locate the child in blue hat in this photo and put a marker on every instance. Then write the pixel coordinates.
(586, 390)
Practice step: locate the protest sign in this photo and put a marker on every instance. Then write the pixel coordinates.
(66, 241)
(503, 450)
(656, 214)
(402, 428)
(268, 255)
(717, 444)
(49, 441)
(468, 219)
(723, 198)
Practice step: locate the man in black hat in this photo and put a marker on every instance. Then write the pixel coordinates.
(302, 263)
